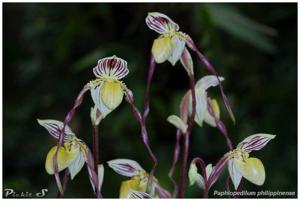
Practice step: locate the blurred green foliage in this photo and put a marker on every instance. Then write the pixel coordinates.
(49, 50)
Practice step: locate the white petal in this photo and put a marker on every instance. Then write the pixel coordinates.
(54, 127)
(77, 165)
(255, 142)
(161, 23)
(234, 173)
(208, 170)
(201, 105)
(208, 81)
(100, 176)
(178, 123)
(95, 93)
(125, 167)
(177, 47)
(195, 177)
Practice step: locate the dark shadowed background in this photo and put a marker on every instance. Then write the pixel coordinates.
(49, 51)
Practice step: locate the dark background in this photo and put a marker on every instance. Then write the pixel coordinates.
(49, 51)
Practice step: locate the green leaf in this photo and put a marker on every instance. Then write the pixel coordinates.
(229, 19)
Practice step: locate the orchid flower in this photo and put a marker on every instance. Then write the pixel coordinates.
(136, 186)
(72, 155)
(107, 90)
(170, 45)
(209, 175)
(203, 102)
(241, 165)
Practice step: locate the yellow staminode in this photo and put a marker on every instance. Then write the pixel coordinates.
(215, 108)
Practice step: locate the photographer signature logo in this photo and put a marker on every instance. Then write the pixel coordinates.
(11, 193)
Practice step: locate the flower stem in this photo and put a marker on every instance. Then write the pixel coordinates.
(67, 119)
(175, 159)
(137, 114)
(96, 152)
(187, 138)
(64, 183)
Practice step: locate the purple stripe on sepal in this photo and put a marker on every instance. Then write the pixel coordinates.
(111, 66)
(160, 23)
(255, 142)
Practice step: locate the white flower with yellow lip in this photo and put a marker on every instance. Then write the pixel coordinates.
(203, 102)
(107, 90)
(171, 43)
(71, 155)
(241, 165)
(137, 184)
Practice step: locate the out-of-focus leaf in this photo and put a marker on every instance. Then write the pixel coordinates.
(229, 19)
(88, 60)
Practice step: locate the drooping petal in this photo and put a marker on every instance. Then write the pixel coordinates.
(64, 158)
(88, 157)
(178, 123)
(54, 128)
(162, 49)
(160, 23)
(129, 185)
(195, 177)
(76, 165)
(113, 67)
(201, 106)
(208, 81)
(187, 61)
(178, 46)
(95, 93)
(234, 173)
(208, 118)
(255, 142)
(252, 169)
(125, 167)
